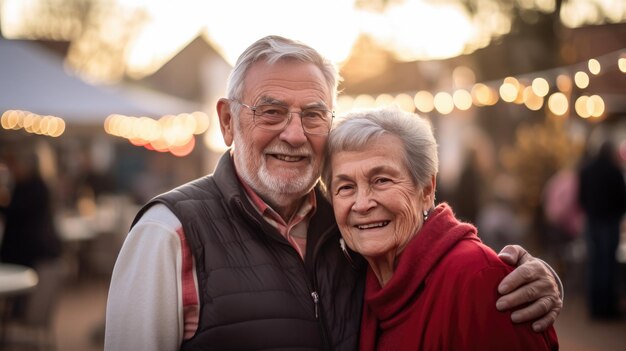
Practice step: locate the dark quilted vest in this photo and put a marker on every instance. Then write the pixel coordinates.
(256, 293)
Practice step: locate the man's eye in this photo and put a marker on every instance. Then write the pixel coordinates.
(313, 114)
(272, 111)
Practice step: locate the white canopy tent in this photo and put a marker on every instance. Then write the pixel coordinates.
(35, 80)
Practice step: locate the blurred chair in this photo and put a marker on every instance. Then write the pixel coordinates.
(31, 316)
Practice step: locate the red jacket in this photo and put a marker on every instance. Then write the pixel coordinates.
(443, 295)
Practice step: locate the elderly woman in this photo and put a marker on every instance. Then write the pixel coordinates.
(431, 283)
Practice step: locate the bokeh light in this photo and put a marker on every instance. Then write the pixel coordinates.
(424, 101)
(33, 123)
(533, 101)
(540, 86)
(581, 79)
(558, 104)
(594, 66)
(443, 103)
(564, 83)
(462, 99)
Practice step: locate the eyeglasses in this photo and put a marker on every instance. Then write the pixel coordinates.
(315, 121)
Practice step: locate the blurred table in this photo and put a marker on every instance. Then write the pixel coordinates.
(16, 279)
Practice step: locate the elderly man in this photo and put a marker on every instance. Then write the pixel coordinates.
(248, 257)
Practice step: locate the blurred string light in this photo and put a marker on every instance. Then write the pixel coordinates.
(33, 123)
(581, 79)
(552, 89)
(170, 133)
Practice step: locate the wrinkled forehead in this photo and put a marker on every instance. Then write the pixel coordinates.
(286, 78)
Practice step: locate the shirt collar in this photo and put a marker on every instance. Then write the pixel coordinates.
(307, 207)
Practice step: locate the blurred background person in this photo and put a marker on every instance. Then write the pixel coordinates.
(30, 238)
(563, 216)
(467, 198)
(602, 195)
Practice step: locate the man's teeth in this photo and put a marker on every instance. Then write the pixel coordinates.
(288, 158)
(373, 225)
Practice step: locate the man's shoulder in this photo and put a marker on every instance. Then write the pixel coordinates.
(196, 188)
(161, 215)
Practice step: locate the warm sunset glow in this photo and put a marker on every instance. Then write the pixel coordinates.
(288, 18)
(400, 26)
(448, 25)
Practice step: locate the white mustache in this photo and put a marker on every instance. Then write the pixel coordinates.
(303, 151)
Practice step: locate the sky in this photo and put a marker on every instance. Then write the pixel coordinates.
(331, 26)
(412, 29)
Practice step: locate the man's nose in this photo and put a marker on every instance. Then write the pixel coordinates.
(294, 131)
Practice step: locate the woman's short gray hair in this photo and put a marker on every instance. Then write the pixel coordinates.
(272, 49)
(357, 129)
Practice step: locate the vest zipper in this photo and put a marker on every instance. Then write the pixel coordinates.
(314, 294)
(316, 299)
(319, 312)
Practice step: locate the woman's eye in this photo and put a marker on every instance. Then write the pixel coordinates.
(382, 180)
(344, 189)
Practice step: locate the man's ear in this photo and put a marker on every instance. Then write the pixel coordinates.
(226, 120)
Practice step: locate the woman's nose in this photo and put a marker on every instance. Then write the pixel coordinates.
(363, 201)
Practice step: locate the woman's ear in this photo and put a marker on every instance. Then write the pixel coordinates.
(428, 192)
(226, 120)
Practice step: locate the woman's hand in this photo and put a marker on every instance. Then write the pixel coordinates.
(533, 282)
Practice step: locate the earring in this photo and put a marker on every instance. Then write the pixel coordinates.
(425, 213)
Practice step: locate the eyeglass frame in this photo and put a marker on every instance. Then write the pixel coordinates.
(288, 120)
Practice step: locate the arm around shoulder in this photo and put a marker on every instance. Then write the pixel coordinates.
(533, 289)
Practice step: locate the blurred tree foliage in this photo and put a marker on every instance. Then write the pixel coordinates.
(539, 151)
(99, 32)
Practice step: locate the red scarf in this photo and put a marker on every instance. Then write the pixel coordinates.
(442, 295)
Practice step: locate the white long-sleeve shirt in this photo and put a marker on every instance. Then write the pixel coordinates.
(145, 307)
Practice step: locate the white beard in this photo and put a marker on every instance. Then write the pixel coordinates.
(277, 190)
